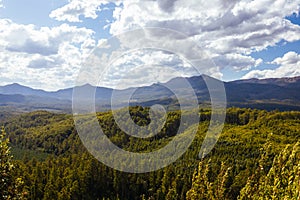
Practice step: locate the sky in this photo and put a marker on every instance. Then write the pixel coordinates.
(45, 44)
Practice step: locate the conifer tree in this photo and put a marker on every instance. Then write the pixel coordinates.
(10, 187)
(282, 181)
(203, 188)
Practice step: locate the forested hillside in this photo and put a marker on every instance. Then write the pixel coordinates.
(256, 156)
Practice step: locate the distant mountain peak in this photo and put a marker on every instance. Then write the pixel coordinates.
(16, 88)
(272, 92)
(274, 81)
(15, 85)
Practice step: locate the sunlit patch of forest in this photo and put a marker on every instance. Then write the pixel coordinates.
(256, 157)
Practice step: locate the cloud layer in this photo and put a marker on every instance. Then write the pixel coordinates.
(228, 31)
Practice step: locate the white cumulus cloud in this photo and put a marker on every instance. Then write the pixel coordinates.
(76, 8)
(42, 57)
(288, 66)
(228, 31)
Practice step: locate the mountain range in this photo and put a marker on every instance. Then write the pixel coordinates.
(269, 94)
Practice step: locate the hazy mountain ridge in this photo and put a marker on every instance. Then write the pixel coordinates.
(274, 81)
(280, 93)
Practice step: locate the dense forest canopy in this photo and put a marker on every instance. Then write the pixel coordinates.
(256, 156)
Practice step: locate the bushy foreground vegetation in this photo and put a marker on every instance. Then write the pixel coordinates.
(256, 157)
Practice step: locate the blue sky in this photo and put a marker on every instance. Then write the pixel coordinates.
(44, 44)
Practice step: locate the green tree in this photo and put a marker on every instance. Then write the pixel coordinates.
(10, 187)
(172, 194)
(280, 182)
(205, 187)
